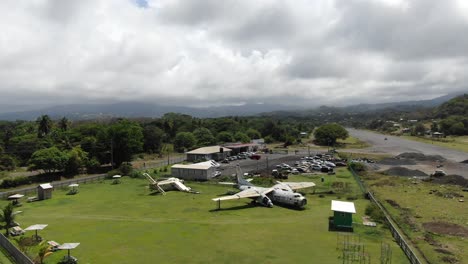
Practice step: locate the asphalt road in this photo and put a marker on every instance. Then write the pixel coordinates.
(395, 145)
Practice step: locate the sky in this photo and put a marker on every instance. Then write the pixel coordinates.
(231, 52)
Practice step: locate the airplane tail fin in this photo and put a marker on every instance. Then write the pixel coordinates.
(240, 177)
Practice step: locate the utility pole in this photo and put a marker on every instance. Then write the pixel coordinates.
(112, 153)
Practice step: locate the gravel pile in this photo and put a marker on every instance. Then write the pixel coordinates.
(465, 161)
(405, 172)
(451, 179)
(420, 157)
(397, 162)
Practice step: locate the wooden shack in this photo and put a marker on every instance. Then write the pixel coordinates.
(44, 191)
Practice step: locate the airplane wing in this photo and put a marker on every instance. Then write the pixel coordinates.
(299, 185)
(164, 182)
(249, 193)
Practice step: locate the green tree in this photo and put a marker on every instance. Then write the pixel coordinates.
(7, 162)
(419, 129)
(204, 136)
(49, 160)
(184, 140)
(241, 137)
(77, 160)
(44, 126)
(224, 137)
(126, 139)
(64, 124)
(153, 139)
(253, 133)
(329, 133)
(457, 129)
(7, 218)
(434, 127)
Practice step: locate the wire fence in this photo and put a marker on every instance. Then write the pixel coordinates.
(398, 234)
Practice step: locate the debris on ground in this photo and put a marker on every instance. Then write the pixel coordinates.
(452, 180)
(420, 157)
(444, 228)
(405, 172)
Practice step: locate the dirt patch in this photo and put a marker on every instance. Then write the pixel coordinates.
(443, 251)
(444, 228)
(451, 179)
(448, 259)
(405, 172)
(420, 157)
(393, 203)
(384, 182)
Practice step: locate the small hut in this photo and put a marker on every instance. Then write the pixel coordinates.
(343, 214)
(44, 191)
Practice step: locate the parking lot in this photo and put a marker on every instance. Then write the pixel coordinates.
(266, 164)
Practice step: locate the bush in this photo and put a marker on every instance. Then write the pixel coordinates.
(112, 173)
(375, 213)
(136, 174)
(14, 182)
(357, 166)
(126, 169)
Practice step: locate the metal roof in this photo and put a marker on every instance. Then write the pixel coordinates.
(346, 207)
(196, 166)
(46, 186)
(35, 227)
(15, 196)
(69, 245)
(208, 150)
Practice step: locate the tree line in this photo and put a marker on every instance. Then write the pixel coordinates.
(73, 147)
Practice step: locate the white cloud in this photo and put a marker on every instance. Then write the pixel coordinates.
(205, 52)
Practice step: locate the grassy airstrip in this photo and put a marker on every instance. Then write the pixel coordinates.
(124, 224)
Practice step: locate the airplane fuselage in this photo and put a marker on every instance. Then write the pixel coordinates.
(278, 195)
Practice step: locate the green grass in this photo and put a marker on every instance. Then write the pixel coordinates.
(4, 258)
(424, 202)
(351, 142)
(452, 142)
(123, 223)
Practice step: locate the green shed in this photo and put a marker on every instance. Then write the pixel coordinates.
(343, 214)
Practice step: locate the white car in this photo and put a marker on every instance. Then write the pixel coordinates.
(316, 167)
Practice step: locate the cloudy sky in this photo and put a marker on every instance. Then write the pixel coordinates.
(212, 52)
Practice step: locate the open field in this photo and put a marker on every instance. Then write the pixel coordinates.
(352, 142)
(123, 223)
(430, 214)
(452, 142)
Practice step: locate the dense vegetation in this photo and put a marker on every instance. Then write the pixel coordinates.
(74, 147)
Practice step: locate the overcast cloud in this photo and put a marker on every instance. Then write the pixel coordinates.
(212, 52)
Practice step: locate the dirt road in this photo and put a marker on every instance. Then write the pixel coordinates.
(396, 145)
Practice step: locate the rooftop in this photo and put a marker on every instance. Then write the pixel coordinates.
(346, 207)
(196, 166)
(208, 150)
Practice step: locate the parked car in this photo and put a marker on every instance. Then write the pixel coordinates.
(326, 169)
(225, 161)
(316, 167)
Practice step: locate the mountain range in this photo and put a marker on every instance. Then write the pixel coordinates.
(138, 109)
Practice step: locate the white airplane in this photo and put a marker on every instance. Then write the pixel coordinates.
(282, 193)
(168, 184)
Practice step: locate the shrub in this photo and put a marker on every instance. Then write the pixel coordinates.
(112, 173)
(136, 174)
(357, 166)
(126, 168)
(375, 213)
(14, 182)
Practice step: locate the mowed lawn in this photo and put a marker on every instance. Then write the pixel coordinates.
(124, 224)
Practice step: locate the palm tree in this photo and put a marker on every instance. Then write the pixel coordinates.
(43, 253)
(45, 126)
(63, 124)
(8, 218)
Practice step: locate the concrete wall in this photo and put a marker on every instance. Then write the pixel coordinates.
(19, 256)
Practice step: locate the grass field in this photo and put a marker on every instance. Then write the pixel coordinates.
(124, 224)
(452, 142)
(352, 142)
(430, 214)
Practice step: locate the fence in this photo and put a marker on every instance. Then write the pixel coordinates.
(19, 256)
(394, 229)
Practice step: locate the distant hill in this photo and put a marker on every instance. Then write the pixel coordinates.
(138, 109)
(457, 106)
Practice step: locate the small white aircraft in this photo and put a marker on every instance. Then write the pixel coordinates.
(282, 192)
(168, 184)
